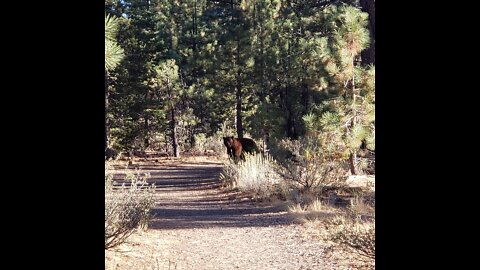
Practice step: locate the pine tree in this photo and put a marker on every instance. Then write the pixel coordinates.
(168, 84)
(351, 110)
(131, 120)
(113, 55)
(263, 67)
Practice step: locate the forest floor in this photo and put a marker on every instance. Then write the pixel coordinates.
(198, 224)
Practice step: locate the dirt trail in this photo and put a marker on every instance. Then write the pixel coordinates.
(199, 225)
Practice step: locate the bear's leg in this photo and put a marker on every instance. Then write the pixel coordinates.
(238, 153)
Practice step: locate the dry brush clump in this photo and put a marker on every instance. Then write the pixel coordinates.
(256, 175)
(308, 165)
(351, 229)
(127, 207)
(312, 211)
(355, 234)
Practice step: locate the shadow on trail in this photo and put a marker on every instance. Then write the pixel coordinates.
(180, 178)
(224, 217)
(191, 197)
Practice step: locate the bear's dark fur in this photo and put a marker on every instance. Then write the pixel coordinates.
(110, 153)
(236, 147)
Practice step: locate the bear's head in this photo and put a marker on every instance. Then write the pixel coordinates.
(228, 141)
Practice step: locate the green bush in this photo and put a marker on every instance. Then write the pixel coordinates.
(213, 144)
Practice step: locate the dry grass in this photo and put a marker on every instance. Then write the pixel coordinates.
(126, 208)
(350, 230)
(312, 212)
(356, 235)
(360, 208)
(256, 176)
(347, 237)
(143, 250)
(169, 249)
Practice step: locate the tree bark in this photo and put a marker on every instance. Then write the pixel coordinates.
(146, 141)
(353, 154)
(106, 110)
(173, 122)
(291, 131)
(146, 125)
(194, 27)
(239, 107)
(238, 86)
(353, 160)
(173, 126)
(239, 114)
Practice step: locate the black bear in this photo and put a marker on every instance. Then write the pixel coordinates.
(110, 153)
(236, 147)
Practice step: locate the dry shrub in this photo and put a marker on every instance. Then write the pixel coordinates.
(255, 175)
(308, 165)
(353, 233)
(126, 207)
(352, 228)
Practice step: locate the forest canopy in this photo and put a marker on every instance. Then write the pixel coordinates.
(177, 71)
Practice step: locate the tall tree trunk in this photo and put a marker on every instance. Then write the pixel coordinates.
(305, 98)
(106, 110)
(173, 122)
(239, 97)
(166, 142)
(194, 26)
(173, 127)
(353, 153)
(194, 74)
(239, 84)
(239, 113)
(263, 91)
(146, 141)
(262, 66)
(368, 55)
(352, 160)
(291, 132)
(146, 126)
(305, 94)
